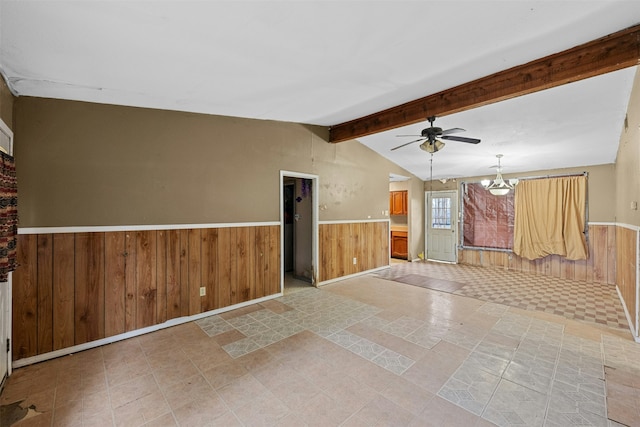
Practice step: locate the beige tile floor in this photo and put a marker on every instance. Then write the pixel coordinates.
(361, 352)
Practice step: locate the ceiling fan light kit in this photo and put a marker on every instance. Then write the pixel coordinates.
(432, 147)
(499, 187)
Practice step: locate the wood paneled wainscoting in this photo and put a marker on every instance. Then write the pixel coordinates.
(600, 267)
(341, 242)
(73, 288)
(627, 241)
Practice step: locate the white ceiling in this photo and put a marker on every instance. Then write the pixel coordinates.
(327, 62)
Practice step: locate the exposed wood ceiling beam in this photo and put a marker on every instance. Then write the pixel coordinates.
(610, 53)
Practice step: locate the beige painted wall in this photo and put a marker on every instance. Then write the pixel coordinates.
(602, 185)
(6, 104)
(416, 218)
(83, 164)
(628, 162)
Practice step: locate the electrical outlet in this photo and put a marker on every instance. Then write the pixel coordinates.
(355, 260)
(203, 291)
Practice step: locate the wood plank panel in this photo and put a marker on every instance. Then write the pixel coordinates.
(589, 262)
(328, 252)
(115, 286)
(580, 270)
(611, 254)
(195, 281)
(369, 252)
(385, 244)
(515, 263)
(626, 272)
(225, 262)
(243, 263)
(554, 266)
(146, 286)
(185, 291)
(567, 269)
(45, 293)
(161, 275)
(355, 232)
(344, 246)
(528, 266)
(173, 276)
(25, 298)
(130, 302)
(261, 255)
(209, 271)
(598, 253)
(274, 261)
(63, 290)
(89, 289)
(381, 242)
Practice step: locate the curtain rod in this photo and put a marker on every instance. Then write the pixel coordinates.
(554, 176)
(539, 177)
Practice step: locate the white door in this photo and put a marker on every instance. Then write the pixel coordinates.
(441, 226)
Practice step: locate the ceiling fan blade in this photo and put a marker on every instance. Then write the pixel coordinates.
(407, 135)
(404, 145)
(461, 139)
(452, 130)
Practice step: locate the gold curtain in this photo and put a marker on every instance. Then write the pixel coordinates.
(550, 218)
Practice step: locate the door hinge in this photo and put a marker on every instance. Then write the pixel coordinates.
(8, 345)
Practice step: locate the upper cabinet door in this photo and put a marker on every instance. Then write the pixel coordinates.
(398, 201)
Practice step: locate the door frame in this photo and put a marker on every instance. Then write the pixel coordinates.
(7, 312)
(427, 221)
(314, 223)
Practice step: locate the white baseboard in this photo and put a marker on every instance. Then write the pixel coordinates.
(362, 273)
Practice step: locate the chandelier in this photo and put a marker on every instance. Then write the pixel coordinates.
(499, 187)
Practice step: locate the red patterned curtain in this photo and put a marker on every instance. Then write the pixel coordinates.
(488, 219)
(8, 215)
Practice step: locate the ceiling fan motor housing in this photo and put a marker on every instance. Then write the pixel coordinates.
(432, 131)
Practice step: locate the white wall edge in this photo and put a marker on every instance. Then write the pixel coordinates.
(354, 221)
(362, 273)
(619, 224)
(110, 228)
(637, 313)
(110, 340)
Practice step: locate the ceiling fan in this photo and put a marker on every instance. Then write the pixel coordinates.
(431, 134)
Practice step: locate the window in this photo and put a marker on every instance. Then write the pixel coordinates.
(441, 212)
(487, 220)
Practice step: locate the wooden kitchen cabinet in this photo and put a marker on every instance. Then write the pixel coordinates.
(398, 202)
(399, 246)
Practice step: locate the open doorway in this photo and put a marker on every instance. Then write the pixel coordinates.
(399, 209)
(299, 219)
